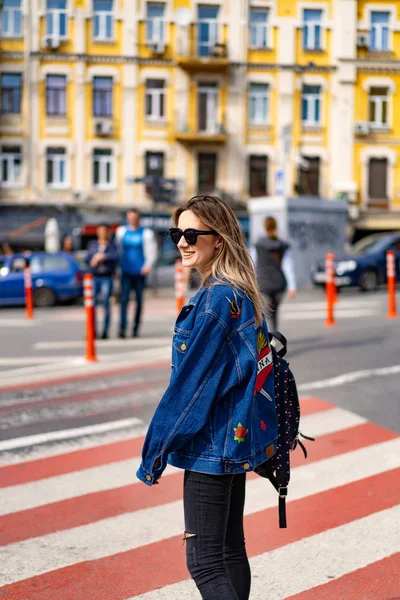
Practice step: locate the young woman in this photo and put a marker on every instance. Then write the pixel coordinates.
(217, 419)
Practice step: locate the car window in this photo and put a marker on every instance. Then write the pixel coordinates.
(18, 264)
(49, 263)
(378, 246)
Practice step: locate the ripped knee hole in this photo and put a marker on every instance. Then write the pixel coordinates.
(187, 535)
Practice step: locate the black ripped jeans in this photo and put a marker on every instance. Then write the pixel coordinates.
(216, 554)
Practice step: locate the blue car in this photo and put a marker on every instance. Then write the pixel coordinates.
(365, 266)
(55, 277)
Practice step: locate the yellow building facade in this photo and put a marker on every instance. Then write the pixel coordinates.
(239, 97)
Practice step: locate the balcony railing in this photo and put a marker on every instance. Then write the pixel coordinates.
(206, 51)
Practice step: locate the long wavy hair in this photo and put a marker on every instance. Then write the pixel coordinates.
(233, 261)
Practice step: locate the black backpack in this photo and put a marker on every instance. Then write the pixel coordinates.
(277, 468)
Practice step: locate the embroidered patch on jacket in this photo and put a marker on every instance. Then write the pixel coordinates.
(235, 306)
(270, 450)
(263, 425)
(264, 364)
(240, 433)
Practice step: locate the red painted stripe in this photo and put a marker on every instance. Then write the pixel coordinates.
(100, 455)
(90, 508)
(128, 574)
(84, 377)
(377, 581)
(310, 405)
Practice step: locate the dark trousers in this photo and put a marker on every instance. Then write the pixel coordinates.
(137, 283)
(103, 291)
(216, 554)
(274, 299)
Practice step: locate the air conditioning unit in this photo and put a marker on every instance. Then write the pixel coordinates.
(158, 48)
(51, 42)
(103, 128)
(362, 40)
(362, 128)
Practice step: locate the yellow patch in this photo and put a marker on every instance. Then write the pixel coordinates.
(261, 342)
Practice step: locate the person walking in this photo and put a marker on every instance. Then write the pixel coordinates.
(275, 270)
(102, 258)
(138, 248)
(217, 418)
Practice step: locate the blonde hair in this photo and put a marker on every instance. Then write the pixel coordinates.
(233, 262)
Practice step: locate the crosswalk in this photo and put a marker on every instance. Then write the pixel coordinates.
(75, 524)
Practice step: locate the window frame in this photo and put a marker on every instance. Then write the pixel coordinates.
(383, 160)
(315, 100)
(102, 92)
(101, 16)
(379, 27)
(253, 168)
(213, 30)
(155, 25)
(157, 96)
(11, 18)
(11, 91)
(104, 161)
(258, 100)
(55, 14)
(379, 101)
(57, 158)
(62, 91)
(259, 26)
(310, 27)
(10, 158)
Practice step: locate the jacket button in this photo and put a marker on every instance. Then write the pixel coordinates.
(246, 466)
(183, 346)
(148, 477)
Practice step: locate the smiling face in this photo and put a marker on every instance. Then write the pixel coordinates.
(200, 256)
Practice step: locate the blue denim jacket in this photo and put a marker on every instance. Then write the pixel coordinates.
(218, 413)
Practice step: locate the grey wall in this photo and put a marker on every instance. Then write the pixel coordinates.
(312, 226)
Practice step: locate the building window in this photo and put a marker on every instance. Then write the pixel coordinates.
(258, 103)
(155, 23)
(207, 107)
(11, 165)
(154, 164)
(11, 90)
(56, 95)
(56, 167)
(258, 176)
(207, 172)
(378, 107)
(155, 99)
(377, 178)
(207, 29)
(312, 29)
(102, 168)
(103, 21)
(102, 96)
(311, 105)
(56, 18)
(380, 31)
(258, 28)
(308, 176)
(11, 18)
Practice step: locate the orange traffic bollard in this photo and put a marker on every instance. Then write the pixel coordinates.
(330, 289)
(179, 286)
(28, 292)
(391, 282)
(88, 296)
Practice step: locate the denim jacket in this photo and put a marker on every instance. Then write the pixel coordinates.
(218, 413)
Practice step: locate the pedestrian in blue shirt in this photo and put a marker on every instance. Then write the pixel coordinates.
(102, 258)
(138, 248)
(217, 419)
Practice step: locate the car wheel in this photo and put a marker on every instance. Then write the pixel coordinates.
(368, 281)
(44, 297)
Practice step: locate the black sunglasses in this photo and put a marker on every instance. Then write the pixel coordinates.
(190, 235)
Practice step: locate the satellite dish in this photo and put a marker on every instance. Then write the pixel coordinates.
(182, 16)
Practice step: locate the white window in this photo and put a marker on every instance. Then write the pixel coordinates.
(102, 168)
(378, 107)
(258, 103)
(311, 105)
(207, 29)
(103, 22)
(155, 99)
(380, 31)
(56, 18)
(11, 18)
(155, 23)
(56, 167)
(312, 29)
(258, 28)
(11, 165)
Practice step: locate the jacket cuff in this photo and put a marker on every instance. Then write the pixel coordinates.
(144, 475)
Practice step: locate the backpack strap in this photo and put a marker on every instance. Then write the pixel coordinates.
(282, 491)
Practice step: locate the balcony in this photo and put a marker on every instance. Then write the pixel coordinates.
(202, 53)
(191, 136)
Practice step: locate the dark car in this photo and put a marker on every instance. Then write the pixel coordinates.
(55, 277)
(365, 265)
